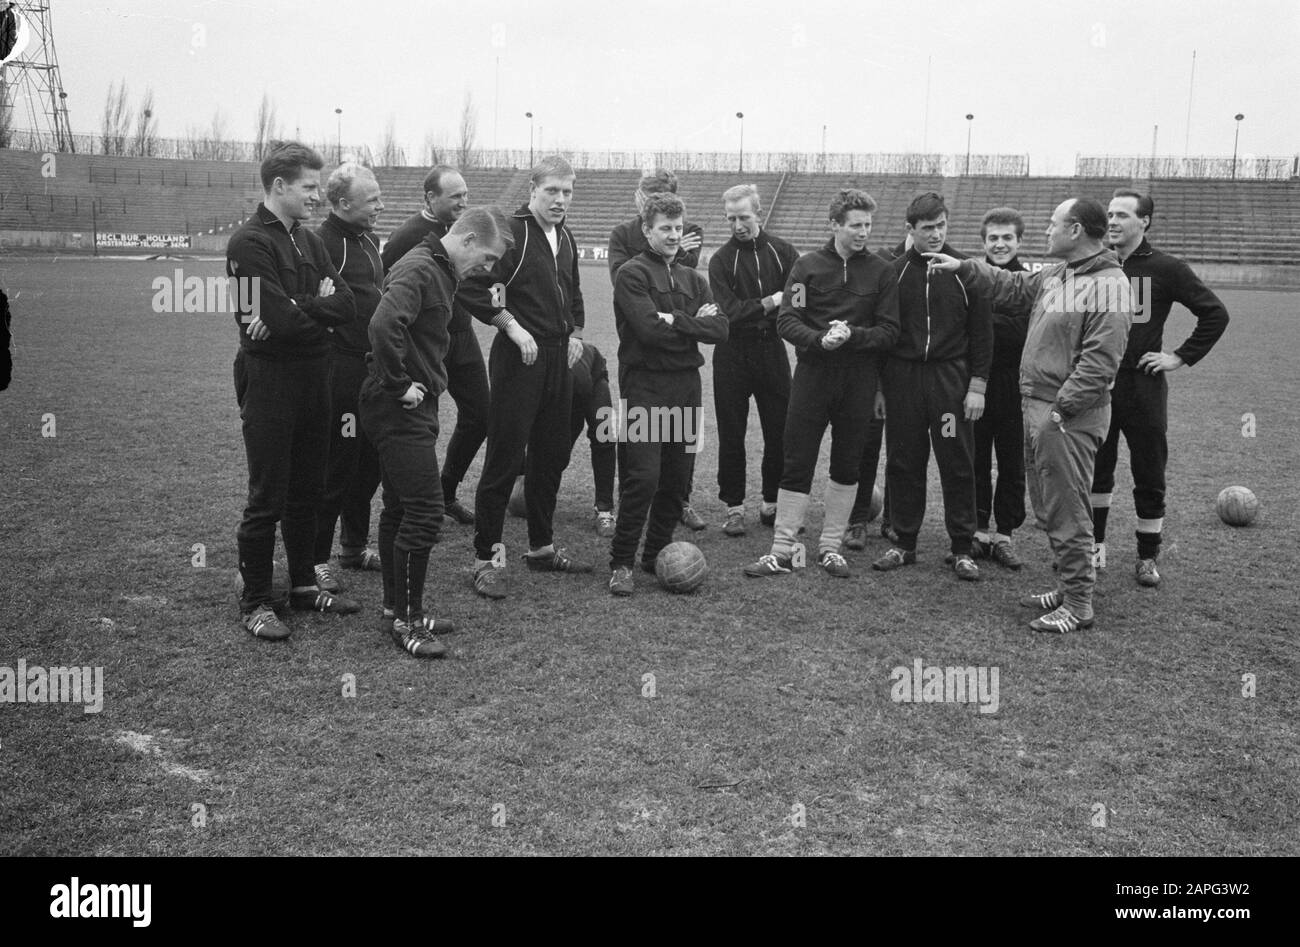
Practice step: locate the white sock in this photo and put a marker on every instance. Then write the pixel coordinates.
(768, 508)
(981, 535)
(790, 510)
(481, 564)
(839, 500)
(736, 509)
(1000, 538)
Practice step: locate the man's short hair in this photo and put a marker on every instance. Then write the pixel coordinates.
(1089, 214)
(339, 184)
(1146, 207)
(658, 181)
(552, 166)
(1005, 217)
(851, 198)
(489, 223)
(288, 159)
(927, 206)
(662, 203)
(433, 180)
(742, 191)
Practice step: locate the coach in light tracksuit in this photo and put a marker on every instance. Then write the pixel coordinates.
(1079, 316)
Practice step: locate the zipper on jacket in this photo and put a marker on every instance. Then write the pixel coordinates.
(758, 271)
(925, 356)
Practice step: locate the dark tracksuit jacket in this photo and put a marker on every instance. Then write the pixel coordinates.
(752, 362)
(627, 240)
(1001, 430)
(408, 339)
(467, 380)
(834, 387)
(353, 473)
(944, 350)
(282, 386)
(1139, 402)
(658, 367)
(530, 408)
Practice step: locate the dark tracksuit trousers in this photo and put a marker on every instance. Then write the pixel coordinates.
(604, 453)
(834, 393)
(467, 383)
(924, 401)
(353, 474)
(1001, 432)
(406, 441)
(868, 471)
(1139, 409)
(530, 415)
(751, 363)
(285, 408)
(653, 472)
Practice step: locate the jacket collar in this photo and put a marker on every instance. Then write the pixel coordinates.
(758, 243)
(268, 218)
(916, 256)
(657, 258)
(1098, 261)
(347, 229)
(1143, 249)
(527, 214)
(830, 248)
(439, 254)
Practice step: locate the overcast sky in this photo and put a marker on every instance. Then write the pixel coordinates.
(1047, 79)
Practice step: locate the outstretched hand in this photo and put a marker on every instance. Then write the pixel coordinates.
(943, 262)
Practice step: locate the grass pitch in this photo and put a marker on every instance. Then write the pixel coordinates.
(753, 717)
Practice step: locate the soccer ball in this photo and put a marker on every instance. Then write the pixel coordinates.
(680, 567)
(516, 506)
(1236, 506)
(877, 503)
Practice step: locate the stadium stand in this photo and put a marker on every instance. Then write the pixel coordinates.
(1201, 220)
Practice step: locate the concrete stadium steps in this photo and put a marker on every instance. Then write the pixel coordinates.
(1202, 220)
(137, 195)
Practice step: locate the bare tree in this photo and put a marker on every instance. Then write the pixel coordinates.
(220, 146)
(267, 129)
(391, 153)
(465, 152)
(146, 126)
(116, 127)
(435, 147)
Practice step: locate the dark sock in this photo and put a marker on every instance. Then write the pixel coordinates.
(1099, 515)
(1148, 545)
